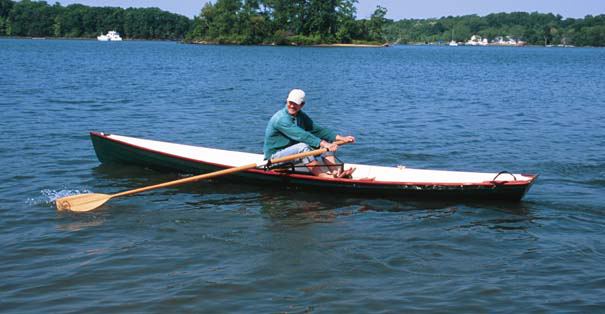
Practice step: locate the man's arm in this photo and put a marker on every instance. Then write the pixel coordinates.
(348, 139)
(296, 133)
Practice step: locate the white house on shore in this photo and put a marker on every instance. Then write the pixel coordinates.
(507, 41)
(476, 40)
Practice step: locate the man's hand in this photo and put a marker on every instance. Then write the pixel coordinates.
(348, 139)
(330, 146)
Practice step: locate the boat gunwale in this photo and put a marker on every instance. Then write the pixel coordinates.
(492, 184)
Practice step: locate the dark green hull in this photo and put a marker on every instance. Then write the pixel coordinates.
(109, 150)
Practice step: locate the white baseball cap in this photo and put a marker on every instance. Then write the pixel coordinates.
(297, 96)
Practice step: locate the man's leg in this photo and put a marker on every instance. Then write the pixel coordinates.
(316, 167)
(336, 168)
(330, 160)
(324, 166)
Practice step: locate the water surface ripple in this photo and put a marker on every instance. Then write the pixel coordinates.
(224, 247)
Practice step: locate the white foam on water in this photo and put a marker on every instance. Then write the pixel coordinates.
(50, 196)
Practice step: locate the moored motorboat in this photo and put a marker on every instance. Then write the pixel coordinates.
(400, 182)
(110, 36)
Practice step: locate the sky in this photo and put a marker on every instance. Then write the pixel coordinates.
(397, 9)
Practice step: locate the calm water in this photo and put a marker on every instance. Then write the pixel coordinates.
(231, 248)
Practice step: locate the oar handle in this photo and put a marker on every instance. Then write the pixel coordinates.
(223, 172)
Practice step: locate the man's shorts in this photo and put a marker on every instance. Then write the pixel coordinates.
(300, 164)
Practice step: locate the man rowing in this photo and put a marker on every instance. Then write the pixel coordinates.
(291, 131)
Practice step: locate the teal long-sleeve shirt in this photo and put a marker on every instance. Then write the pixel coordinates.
(285, 130)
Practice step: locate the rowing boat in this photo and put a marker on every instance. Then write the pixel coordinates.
(400, 182)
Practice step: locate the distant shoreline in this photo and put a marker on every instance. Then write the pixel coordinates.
(203, 42)
(82, 38)
(351, 45)
(296, 45)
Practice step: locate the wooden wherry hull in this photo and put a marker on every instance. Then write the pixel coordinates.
(399, 182)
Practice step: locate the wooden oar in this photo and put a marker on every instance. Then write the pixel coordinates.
(90, 201)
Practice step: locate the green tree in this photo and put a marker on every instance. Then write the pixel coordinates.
(377, 22)
(254, 24)
(322, 18)
(226, 19)
(32, 19)
(345, 21)
(5, 7)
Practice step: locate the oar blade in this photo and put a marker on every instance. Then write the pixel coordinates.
(82, 202)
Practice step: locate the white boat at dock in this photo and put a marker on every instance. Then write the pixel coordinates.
(111, 36)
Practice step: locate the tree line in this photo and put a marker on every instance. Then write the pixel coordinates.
(533, 28)
(39, 19)
(224, 21)
(285, 22)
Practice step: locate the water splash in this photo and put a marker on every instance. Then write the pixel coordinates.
(50, 196)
